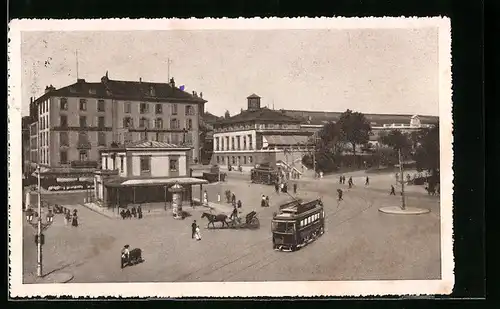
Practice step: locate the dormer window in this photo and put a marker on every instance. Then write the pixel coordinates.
(152, 91)
(92, 91)
(144, 108)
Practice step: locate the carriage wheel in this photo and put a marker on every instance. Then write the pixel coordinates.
(255, 223)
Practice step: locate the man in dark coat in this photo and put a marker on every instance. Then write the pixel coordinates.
(393, 191)
(339, 193)
(139, 212)
(193, 228)
(367, 182)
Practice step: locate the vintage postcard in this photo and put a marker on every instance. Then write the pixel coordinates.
(230, 157)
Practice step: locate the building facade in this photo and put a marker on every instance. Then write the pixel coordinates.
(142, 172)
(256, 136)
(77, 121)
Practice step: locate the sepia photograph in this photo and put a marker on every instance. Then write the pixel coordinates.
(230, 157)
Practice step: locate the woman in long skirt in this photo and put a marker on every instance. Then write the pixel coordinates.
(197, 234)
(74, 219)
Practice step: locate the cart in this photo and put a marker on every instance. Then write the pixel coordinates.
(251, 222)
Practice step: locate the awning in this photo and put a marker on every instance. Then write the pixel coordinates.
(286, 139)
(155, 181)
(65, 171)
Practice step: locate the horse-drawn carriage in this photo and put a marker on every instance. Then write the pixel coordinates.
(251, 221)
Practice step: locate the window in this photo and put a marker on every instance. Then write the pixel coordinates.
(250, 142)
(63, 104)
(101, 139)
(223, 160)
(218, 160)
(175, 138)
(174, 109)
(63, 156)
(83, 138)
(250, 159)
(158, 109)
(128, 122)
(189, 110)
(144, 136)
(232, 143)
(145, 164)
(234, 160)
(152, 91)
(127, 137)
(238, 142)
(127, 108)
(83, 104)
(189, 124)
(221, 143)
(143, 108)
(63, 120)
(63, 139)
(173, 165)
(159, 123)
(100, 105)
(216, 143)
(83, 121)
(244, 142)
(101, 122)
(143, 123)
(121, 163)
(83, 155)
(244, 160)
(174, 124)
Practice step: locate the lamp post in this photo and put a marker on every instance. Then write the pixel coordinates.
(40, 227)
(401, 171)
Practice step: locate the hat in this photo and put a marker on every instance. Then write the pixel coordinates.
(126, 246)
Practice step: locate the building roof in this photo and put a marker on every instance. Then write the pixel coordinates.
(261, 115)
(286, 139)
(125, 90)
(253, 96)
(210, 118)
(146, 144)
(320, 117)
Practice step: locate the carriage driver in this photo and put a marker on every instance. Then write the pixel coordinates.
(234, 214)
(125, 255)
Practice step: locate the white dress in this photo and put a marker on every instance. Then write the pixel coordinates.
(197, 234)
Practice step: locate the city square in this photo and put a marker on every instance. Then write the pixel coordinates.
(360, 242)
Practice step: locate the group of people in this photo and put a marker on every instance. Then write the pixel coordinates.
(133, 212)
(69, 217)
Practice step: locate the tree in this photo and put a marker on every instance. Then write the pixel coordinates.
(354, 129)
(329, 138)
(427, 154)
(396, 140)
(226, 114)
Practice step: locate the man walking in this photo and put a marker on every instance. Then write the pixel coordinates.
(193, 228)
(350, 182)
(393, 191)
(339, 193)
(367, 182)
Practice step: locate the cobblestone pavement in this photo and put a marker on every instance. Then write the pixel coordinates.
(360, 243)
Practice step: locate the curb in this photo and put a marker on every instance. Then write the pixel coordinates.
(62, 277)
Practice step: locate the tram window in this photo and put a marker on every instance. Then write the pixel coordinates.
(279, 226)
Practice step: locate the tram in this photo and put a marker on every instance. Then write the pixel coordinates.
(297, 224)
(265, 174)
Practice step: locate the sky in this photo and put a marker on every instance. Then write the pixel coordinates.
(366, 70)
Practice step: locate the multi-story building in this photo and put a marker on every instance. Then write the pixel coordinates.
(76, 121)
(142, 172)
(257, 135)
(26, 150)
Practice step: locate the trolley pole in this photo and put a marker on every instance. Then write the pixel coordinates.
(401, 170)
(39, 229)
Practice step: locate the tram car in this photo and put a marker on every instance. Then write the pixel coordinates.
(297, 224)
(265, 174)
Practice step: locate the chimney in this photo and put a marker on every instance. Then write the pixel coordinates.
(201, 95)
(172, 83)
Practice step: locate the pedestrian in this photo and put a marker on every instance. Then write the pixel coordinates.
(205, 198)
(193, 228)
(218, 197)
(350, 182)
(139, 212)
(263, 201)
(393, 191)
(276, 187)
(233, 199)
(74, 219)
(367, 182)
(267, 201)
(321, 174)
(134, 212)
(234, 214)
(294, 188)
(128, 214)
(239, 204)
(125, 255)
(197, 233)
(339, 194)
(340, 179)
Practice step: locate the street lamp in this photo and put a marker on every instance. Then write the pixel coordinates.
(403, 210)
(40, 226)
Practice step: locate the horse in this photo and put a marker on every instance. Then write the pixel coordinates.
(215, 218)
